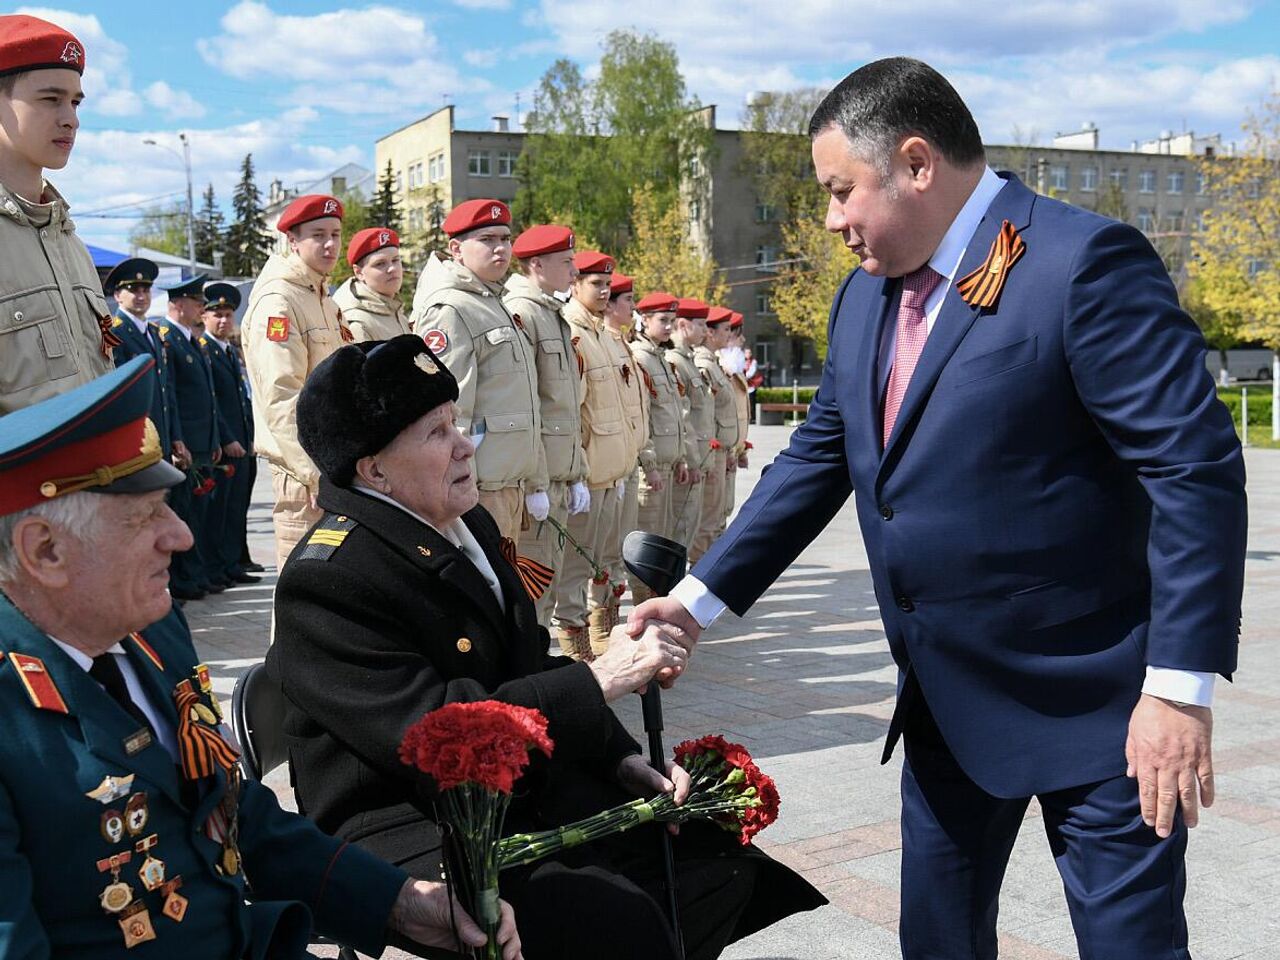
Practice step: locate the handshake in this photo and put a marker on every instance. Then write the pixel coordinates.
(655, 644)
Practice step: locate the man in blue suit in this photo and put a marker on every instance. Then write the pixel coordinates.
(1052, 502)
(196, 571)
(230, 508)
(126, 829)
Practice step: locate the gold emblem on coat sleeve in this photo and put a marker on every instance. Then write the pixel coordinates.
(464, 645)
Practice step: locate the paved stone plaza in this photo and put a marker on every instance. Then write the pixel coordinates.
(806, 682)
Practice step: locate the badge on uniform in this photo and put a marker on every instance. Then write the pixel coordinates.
(437, 340)
(345, 332)
(277, 329)
(136, 926)
(175, 904)
(151, 873)
(117, 894)
(136, 814)
(111, 788)
(112, 826)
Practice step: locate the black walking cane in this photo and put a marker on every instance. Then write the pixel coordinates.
(659, 564)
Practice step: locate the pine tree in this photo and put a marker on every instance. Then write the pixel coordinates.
(210, 225)
(385, 209)
(247, 241)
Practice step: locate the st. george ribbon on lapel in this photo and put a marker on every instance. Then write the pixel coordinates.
(982, 287)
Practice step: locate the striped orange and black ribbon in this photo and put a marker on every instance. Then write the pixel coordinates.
(109, 339)
(982, 287)
(578, 353)
(200, 747)
(535, 576)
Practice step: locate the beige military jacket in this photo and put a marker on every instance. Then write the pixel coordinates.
(635, 398)
(370, 315)
(559, 386)
(666, 406)
(700, 407)
(464, 323)
(742, 407)
(52, 312)
(290, 325)
(605, 435)
(726, 412)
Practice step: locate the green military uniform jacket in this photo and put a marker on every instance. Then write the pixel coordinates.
(54, 835)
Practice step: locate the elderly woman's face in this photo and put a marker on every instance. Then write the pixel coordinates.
(429, 468)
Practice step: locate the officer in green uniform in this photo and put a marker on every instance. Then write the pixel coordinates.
(195, 572)
(125, 827)
(234, 474)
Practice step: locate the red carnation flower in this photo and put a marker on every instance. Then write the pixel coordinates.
(715, 444)
(485, 743)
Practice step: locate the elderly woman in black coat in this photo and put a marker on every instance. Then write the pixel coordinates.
(401, 600)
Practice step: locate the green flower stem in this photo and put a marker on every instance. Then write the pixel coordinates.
(596, 570)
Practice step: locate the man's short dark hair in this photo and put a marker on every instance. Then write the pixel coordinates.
(8, 82)
(879, 105)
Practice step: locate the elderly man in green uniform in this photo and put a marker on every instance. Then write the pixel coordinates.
(234, 476)
(536, 294)
(55, 328)
(124, 822)
(458, 311)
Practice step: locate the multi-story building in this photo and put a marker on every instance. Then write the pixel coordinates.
(1154, 185)
(436, 166)
(348, 180)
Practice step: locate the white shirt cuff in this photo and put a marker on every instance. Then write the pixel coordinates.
(1182, 686)
(703, 605)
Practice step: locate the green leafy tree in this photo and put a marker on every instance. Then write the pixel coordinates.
(247, 242)
(1111, 202)
(356, 216)
(162, 228)
(592, 144)
(659, 258)
(210, 225)
(814, 263)
(384, 210)
(776, 153)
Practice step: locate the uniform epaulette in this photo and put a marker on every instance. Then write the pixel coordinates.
(164, 330)
(117, 322)
(327, 537)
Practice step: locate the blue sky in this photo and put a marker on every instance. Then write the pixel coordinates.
(308, 86)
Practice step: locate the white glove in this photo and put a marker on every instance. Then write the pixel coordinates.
(539, 504)
(622, 489)
(579, 498)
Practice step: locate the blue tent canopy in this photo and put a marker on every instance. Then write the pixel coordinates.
(105, 259)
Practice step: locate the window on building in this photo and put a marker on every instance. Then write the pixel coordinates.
(415, 219)
(507, 163)
(1146, 220)
(1255, 266)
(695, 210)
(1199, 182)
(764, 307)
(765, 213)
(1200, 220)
(1146, 181)
(766, 258)
(1254, 190)
(1119, 178)
(1177, 221)
(1174, 181)
(1089, 179)
(478, 163)
(1059, 175)
(435, 168)
(695, 166)
(399, 181)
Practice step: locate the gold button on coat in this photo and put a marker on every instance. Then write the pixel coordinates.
(464, 645)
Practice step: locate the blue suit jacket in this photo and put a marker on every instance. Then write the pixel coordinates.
(1061, 502)
(51, 837)
(235, 416)
(164, 411)
(191, 382)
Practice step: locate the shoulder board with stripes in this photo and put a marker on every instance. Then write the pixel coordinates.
(39, 685)
(324, 541)
(147, 649)
(117, 322)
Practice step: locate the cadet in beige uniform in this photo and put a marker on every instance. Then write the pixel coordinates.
(289, 326)
(54, 322)
(700, 423)
(619, 318)
(458, 311)
(605, 440)
(370, 300)
(733, 359)
(722, 467)
(536, 295)
(665, 470)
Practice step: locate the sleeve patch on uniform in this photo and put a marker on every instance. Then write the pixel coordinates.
(327, 537)
(436, 340)
(278, 329)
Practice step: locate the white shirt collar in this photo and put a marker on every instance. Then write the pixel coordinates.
(179, 327)
(82, 659)
(946, 259)
(449, 533)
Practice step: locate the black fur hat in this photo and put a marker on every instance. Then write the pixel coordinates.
(360, 397)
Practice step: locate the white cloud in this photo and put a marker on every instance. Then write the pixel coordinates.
(484, 4)
(375, 59)
(483, 59)
(174, 104)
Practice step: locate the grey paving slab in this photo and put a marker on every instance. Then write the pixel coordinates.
(807, 683)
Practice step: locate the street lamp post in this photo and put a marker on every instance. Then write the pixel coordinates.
(185, 157)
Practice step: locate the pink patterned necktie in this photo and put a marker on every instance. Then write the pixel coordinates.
(912, 331)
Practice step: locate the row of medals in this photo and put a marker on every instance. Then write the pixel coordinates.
(117, 897)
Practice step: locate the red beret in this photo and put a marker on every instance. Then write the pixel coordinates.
(691, 308)
(593, 261)
(547, 238)
(474, 214)
(654, 302)
(311, 206)
(365, 242)
(737, 319)
(718, 315)
(29, 43)
(620, 283)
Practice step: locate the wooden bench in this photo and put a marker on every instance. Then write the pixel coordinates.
(765, 412)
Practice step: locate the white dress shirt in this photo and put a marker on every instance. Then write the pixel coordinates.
(1183, 686)
(164, 733)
